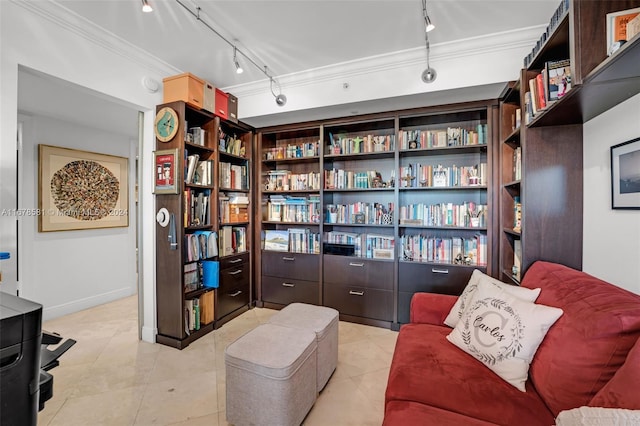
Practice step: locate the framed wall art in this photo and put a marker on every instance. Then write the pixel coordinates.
(81, 190)
(625, 175)
(165, 165)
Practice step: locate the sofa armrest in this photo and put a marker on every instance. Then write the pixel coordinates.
(431, 308)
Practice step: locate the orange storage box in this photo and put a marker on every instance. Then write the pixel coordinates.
(184, 87)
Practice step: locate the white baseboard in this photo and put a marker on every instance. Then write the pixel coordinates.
(74, 306)
(149, 334)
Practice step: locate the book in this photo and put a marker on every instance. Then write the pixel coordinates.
(620, 26)
(633, 27)
(517, 259)
(276, 240)
(558, 78)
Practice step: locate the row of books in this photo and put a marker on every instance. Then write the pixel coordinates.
(551, 84)
(197, 203)
(284, 180)
(372, 246)
(517, 163)
(293, 209)
(234, 176)
(360, 213)
(452, 250)
(198, 172)
(418, 175)
(557, 17)
(342, 145)
(198, 311)
(441, 138)
(294, 240)
(299, 150)
(201, 244)
(347, 179)
(467, 214)
(232, 239)
(230, 143)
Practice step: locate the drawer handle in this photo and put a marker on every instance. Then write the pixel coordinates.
(356, 293)
(235, 261)
(289, 259)
(237, 293)
(359, 265)
(439, 271)
(288, 285)
(236, 272)
(221, 111)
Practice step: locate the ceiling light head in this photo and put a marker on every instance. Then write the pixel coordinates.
(281, 99)
(428, 24)
(239, 69)
(429, 75)
(146, 7)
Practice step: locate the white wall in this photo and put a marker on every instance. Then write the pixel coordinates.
(74, 270)
(611, 247)
(40, 36)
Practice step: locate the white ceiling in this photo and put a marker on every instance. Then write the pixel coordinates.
(288, 36)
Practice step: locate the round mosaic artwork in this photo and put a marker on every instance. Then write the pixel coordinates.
(85, 190)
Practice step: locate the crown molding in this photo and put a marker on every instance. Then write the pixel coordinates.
(55, 13)
(504, 41)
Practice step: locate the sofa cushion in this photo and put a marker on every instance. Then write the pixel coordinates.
(503, 332)
(623, 390)
(428, 369)
(589, 343)
(476, 277)
(405, 413)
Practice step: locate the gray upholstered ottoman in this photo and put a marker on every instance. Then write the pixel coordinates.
(321, 320)
(271, 376)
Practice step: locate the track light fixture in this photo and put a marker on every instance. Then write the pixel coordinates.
(428, 75)
(239, 69)
(146, 7)
(281, 99)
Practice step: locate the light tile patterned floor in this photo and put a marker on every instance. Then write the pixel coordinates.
(111, 378)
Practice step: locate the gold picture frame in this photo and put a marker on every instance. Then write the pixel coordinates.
(81, 190)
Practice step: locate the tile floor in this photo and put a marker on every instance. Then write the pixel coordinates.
(111, 378)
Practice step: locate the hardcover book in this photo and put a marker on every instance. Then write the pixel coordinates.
(559, 78)
(276, 240)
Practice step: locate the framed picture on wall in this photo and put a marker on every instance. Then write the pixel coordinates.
(165, 165)
(625, 175)
(81, 190)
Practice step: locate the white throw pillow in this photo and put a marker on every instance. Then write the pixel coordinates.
(463, 301)
(503, 332)
(598, 416)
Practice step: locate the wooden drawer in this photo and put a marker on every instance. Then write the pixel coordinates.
(184, 87)
(358, 271)
(360, 301)
(433, 278)
(235, 275)
(222, 104)
(295, 266)
(233, 261)
(285, 291)
(231, 296)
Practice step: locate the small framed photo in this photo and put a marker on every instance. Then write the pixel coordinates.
(165, 164)
(625, 175)
(617, 26)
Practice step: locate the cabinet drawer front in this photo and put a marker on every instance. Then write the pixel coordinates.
(432, 278)
(234, 261)
(296, 266)
(285, 291)
(360, 301)
(359, 272)
(231, 298)
(234, 276)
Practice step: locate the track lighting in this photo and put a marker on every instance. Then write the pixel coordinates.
(146, 7)
(239, 69)
(281, 99)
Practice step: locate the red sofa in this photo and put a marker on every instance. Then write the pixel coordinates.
(589, 357)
